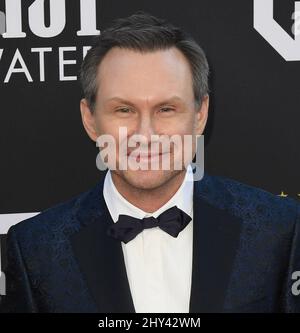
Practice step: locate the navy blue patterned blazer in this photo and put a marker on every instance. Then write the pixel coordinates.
(246, 246)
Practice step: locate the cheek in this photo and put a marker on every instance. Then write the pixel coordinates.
(107, 124)
(180, 126)
(111, 123)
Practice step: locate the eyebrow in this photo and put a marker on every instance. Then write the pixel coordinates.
(122, 100)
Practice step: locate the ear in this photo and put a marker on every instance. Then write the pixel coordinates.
(88, 120)
(201, 115)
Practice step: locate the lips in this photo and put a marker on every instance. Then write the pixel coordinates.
(147, 155)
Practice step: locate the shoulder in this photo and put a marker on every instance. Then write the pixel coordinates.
(60, 219)
(252, 204)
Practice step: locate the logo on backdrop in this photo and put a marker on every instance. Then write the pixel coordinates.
(274, 34)
(14, 26)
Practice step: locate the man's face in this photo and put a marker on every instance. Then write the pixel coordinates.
(149, 94)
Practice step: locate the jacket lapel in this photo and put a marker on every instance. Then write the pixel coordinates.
(216, 235)
(100, 257)
(215, 240)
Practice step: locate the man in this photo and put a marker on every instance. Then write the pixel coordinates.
(154, 240)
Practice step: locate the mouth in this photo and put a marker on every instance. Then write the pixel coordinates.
(144, 156)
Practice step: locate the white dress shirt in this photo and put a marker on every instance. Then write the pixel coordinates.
(158, 266)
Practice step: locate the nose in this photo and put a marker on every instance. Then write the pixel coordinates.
(145, 128)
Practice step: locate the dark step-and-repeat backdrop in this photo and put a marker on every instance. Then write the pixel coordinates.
(253, 133)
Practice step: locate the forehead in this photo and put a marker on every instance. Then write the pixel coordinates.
(131, 72)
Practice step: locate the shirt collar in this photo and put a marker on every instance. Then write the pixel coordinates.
(117, 204)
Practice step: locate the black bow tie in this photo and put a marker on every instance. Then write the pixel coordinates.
(172, 221)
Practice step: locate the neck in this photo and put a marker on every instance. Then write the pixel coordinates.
(148, 200)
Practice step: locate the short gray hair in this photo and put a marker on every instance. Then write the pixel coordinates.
(143, 32)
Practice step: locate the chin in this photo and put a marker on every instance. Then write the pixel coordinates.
(148, 179)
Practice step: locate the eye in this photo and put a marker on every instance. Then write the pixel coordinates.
(166, 110)
(123, 110)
